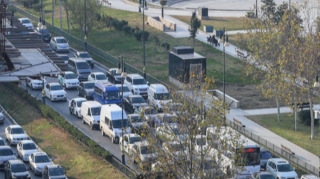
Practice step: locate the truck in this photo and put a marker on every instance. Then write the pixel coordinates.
(106, 93)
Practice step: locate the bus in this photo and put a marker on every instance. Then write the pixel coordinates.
(106, 93)
(238, 155)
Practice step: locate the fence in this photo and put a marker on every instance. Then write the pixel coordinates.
(275, 149)
(90, 48)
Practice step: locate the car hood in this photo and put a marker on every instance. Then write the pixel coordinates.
(36, 81)
(19, 135)
(291, 174)
(58, 92)
(58, 177)
(20, 174)
(88, 59)
(103, 81)
(63, 45)
(28, 152)
(6, 158)
(140, 86)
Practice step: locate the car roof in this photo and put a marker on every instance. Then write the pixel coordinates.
(98, 72)
(120, 85)
(40, 153)
(16, 161)
(132, 135)
(5, 147)
(134, 96)
(135, 76)
(279, 160)
(68, 72)
(129, 115)
(59, 37)
(82, 52)
(15, 126)
(54, 84)
(24, 18)
(79, 99)
(87, 82)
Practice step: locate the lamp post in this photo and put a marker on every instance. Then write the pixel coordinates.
(162, 3)
(85, 25)
(257, 8)
(143, 5)
(122, 70)
(224, 39)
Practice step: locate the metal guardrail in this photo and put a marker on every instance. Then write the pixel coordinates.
(275, 149)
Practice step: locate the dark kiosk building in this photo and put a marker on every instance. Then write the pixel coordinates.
(183, 62)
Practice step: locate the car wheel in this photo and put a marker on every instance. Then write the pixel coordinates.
(51, 98)
(102, 132)
(32, 86)
(84, 122)
(70, 110)
(92, 127)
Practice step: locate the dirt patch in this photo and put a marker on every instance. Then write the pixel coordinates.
(249, 96)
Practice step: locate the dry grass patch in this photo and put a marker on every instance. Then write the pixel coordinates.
(75, 158)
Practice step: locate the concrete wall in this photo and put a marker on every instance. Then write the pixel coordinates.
(230, 101)
(161, 23)
(169, 25)
(156, 23)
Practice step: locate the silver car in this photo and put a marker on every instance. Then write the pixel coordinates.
(59, 44)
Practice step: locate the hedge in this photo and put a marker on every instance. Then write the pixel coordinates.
(48, 112)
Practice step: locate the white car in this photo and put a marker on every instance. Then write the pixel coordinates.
(37, 161)
(281, 168)
(53, 171)
(175, 149)
(126, 91)
(25, 148)
(15, 134)
(75, 106)
(128, 141)
(55, 92)
(171, 132)
(35, 83)
(1, 117)
(59, 44)
(86, 56)
(26, 22)
(68, 80)
(137, 84)
(98, 76)
(142, 153)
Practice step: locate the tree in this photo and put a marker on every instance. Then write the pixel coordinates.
(195, 24)
(183, 149)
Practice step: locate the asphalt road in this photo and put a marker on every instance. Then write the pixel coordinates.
(62, 108)
(2, 134)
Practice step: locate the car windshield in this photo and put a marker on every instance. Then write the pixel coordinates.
(80, 102)
(15, 168)
(139, 82)
(125, 89)
(101, 77)
(17, 131)
(55, 171)
(265, 155)
(285, 168)
(64, 57)
(56, 87)
(137, 100)
(201, 141)
(26, 21)
(2, 143)
(135, 139)
(146, 150)
(84, 55)
(267, 176)
(96, 111)
(135, 119)
(82, 65)
(44, 31)
(61, 41)
(71, 76)
(42, 159)
(162, 96)
(89, 85)
(29, 146)
(112, 95)
(6, 152)
(117, 123)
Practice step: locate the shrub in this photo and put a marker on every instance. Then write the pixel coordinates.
(305, 117)
(138, 35)
(121, 24)
(127, 29)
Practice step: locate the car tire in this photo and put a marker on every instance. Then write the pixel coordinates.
(102, 132)
(31, 86)
(84, 122)
(77, 115)
(51, 98)
(92, 127)
(70, 110)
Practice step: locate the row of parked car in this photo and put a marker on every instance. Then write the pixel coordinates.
(13, 163)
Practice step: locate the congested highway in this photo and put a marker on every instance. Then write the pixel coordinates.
(62, 108)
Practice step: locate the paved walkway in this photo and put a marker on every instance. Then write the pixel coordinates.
(222, 10)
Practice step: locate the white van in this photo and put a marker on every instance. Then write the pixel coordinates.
(158, 96)
(90, 111)
(111, 123)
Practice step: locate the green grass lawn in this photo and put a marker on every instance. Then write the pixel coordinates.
(285, 129)
(117, 43)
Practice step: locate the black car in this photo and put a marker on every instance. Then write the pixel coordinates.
(113, 76)
(137, 124)
(53, 171)
(15, 169)
(133, 102)
(86, 89)
(44, 34)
